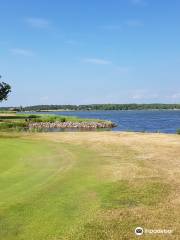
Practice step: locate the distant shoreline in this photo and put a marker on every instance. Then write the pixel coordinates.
(94, 107)
(66, 110)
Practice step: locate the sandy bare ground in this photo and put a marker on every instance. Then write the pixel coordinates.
(7, 114)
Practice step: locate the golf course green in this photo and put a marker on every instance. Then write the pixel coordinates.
(91, 185)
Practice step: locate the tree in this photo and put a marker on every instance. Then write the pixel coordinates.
(5, 89)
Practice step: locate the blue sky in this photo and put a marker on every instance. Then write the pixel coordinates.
(83, 52)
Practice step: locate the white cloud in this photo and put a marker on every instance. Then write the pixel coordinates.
(71, 42)
(22, 52)
(97, 61)
(144, 95)
(38, 22)
(122, 69)
(139, 2)
(134, 23)
(44, 98)
(112, 27)
(147, 95)
(175, 96)
(120, 27)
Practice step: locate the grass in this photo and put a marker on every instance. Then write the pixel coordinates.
(82, 186)
(132, 195)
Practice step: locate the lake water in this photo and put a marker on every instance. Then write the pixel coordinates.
(148, 121)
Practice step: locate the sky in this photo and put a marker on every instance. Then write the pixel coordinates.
(85, 52)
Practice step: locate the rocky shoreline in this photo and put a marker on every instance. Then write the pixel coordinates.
(82, 125)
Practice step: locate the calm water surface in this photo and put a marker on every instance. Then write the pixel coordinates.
(149, 121)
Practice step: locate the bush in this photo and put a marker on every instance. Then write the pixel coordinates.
(11, 125)
(32, 116)
(63, 119)
(178, 131)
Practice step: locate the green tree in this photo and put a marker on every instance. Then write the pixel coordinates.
(5, 89)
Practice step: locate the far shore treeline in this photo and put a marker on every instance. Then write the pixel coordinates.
(94, 107)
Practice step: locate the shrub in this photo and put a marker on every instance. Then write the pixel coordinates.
(32, 116)
(63, 119)
(178, 131)
(11, 125)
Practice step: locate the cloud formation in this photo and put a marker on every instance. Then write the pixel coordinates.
(71, 42)
(21, 51)
(175, 96)
(97, 61)
(139, 2)
(122, 69)
(144, 95)
(134, 23)
(112, 27)
(38, 22)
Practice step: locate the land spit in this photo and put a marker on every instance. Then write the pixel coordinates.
(83, 125)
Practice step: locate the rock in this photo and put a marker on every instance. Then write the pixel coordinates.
(83, 125)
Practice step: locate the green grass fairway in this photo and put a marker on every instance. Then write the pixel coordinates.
(88, 186)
